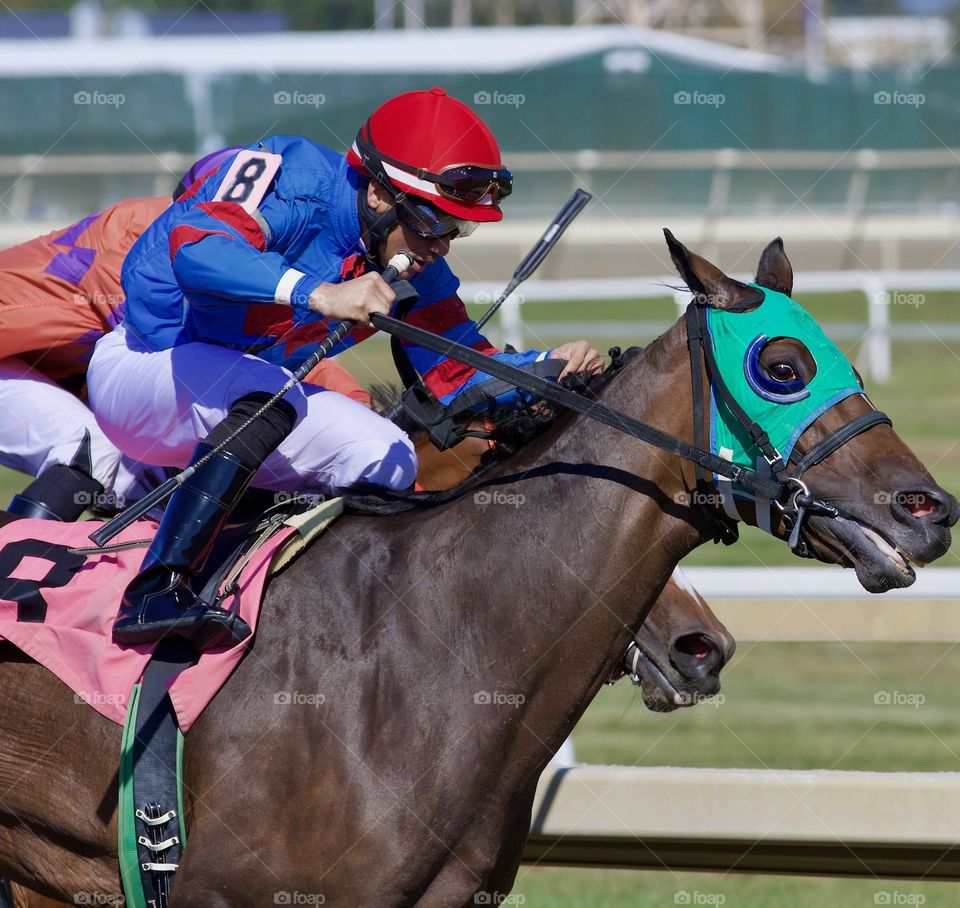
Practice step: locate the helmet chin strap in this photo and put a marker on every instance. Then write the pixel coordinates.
(376, 223)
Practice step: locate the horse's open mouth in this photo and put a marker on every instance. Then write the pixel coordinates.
(880, 565)
(659, 693)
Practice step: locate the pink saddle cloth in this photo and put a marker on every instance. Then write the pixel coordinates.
(78, 597)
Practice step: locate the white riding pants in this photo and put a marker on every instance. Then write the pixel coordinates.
(42, 424)
(156, 405)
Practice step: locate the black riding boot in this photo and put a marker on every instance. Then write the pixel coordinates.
(160, 600)
(61, 492)
(58, 493)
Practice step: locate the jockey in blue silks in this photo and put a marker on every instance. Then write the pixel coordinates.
(235, 285)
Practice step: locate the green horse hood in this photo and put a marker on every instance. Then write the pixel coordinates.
(783, 409)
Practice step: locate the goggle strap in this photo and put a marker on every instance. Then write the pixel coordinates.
(369, 153)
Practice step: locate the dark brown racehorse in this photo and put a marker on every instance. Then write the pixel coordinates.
(681, 647)
(451, 671)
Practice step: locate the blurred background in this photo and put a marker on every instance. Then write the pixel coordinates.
(832, 123)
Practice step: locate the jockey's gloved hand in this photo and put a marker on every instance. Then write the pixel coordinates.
(354, 300)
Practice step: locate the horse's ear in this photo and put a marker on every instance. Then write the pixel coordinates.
(775, 271)
(708, 282)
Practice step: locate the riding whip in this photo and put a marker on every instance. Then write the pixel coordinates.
(573, 206)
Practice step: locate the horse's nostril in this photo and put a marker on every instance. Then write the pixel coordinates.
(700, 646)
(918, 504)
(923, 504)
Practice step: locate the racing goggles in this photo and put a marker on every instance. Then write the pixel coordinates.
(471, 183)
(429, 222)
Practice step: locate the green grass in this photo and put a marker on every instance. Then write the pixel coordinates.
(795, 706)
(580, 888)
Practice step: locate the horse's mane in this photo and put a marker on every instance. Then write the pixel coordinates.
(513, 428)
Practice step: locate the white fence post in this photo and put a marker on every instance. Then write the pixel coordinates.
(878, 328)
(511, 324)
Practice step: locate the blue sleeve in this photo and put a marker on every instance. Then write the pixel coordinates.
(441, 311)
(218, 250)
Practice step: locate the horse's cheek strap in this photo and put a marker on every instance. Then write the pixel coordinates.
(723, 531)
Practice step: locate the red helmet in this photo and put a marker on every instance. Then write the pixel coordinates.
(429, 145)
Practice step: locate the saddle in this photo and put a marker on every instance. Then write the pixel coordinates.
(58, 599)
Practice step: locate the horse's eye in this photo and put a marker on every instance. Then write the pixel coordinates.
(783, 372)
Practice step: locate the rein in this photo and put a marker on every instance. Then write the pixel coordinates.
(787, 492)
(593, 409)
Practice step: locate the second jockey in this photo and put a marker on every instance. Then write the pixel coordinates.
(59, 294)
(235, 285)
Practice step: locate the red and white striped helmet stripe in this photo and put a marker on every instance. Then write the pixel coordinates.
(413, 183)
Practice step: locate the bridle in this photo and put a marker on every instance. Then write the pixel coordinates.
(785, 490)
(799, 502)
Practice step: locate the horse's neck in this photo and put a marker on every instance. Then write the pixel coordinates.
(535, 594)
(606, 510)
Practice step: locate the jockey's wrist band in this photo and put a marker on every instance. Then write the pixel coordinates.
(286, 285)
